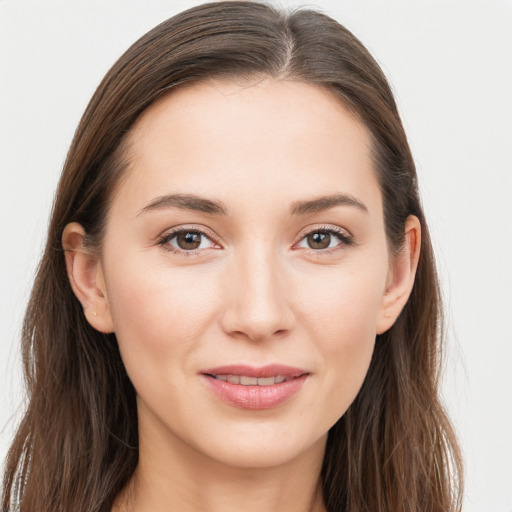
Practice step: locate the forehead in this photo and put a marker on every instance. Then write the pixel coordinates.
(250, 112)
(247, 140)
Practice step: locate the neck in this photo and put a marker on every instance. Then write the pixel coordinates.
(172, 475)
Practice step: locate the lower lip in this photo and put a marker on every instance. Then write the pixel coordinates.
(255, 397)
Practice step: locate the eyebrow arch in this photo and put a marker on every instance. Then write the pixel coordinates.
(186, 202)
(323, 203)
(201, 204)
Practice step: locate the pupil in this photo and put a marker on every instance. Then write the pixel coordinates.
(189, 240)
(319, 240)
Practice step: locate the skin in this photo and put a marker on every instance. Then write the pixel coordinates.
(254, 292)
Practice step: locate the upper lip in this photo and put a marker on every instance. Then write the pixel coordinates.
(270, 370)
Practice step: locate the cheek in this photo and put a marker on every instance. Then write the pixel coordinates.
(341, 316)
(158, 314)
(343, 307)
(346, 337)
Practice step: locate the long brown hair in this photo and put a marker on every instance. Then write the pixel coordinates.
(76, 447)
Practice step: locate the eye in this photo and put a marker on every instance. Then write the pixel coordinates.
(186, 241)
(325, 240)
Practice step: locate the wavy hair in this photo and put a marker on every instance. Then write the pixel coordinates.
(76, 446)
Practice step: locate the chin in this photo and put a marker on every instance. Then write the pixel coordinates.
(264, 450)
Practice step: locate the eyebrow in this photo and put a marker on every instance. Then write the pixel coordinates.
(211, 207)
(320, 204)
(187, 202)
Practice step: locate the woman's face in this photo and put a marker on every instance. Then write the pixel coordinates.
(245, 245)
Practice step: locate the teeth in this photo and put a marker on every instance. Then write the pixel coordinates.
(248, 381)
(266, 381)
(244, 380)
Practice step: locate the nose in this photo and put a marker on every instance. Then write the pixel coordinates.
(258, 305)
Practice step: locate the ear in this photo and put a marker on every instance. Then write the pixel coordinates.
(402, 273)
(86, 277)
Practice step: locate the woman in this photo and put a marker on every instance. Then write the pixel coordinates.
(238, 305)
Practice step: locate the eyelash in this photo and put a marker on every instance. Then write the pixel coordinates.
(346, 240)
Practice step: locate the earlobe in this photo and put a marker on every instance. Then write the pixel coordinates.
(401, 276)
(85, 275)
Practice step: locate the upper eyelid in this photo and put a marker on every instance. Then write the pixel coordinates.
(323, 227)
(171, 232)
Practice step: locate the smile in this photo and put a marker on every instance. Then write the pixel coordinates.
(245, 380)
(247, 387)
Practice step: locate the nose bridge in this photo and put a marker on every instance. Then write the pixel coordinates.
(259, 306)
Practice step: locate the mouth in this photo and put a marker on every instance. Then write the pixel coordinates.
(248, 387)
(246, 380)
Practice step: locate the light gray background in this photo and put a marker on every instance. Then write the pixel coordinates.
(450, 65)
